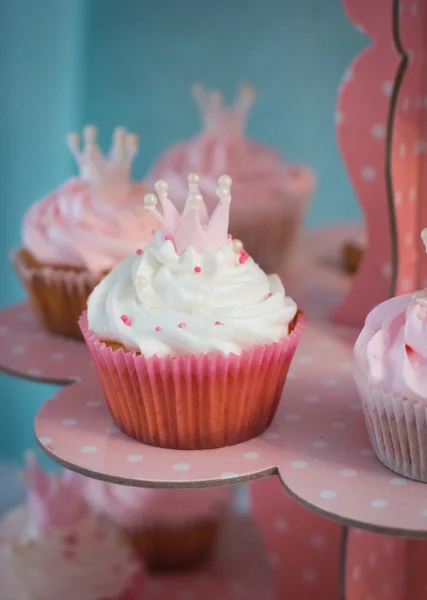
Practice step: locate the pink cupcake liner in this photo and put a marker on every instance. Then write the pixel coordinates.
(397, 428)
(194, 402)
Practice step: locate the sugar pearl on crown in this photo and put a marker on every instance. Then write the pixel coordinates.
(225, 181)
(194, 179)
(195, 200)
(150, 200)
(237, 246)
(161, 186)
(222, 192)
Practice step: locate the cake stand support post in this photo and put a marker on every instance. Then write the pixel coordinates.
(343, 563)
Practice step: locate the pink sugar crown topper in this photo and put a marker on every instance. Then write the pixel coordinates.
(54, 502)
(194, 228)
(107, 173)
(220, 119)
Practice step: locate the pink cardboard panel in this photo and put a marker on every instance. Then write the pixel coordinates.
(383, 146)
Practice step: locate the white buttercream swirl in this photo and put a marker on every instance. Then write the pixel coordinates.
(191, 303)
(88, 562)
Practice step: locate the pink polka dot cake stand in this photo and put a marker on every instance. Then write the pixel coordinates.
(238, 570)
(28, 351)
(317, 443)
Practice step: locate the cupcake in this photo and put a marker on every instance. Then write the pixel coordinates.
(352, 254)
(168, 528)
(391, 376)
(270, 196)
(75, 235)
(56, 549)
(191, 339)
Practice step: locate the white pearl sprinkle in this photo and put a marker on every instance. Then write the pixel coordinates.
(150, 200)
(194, 179)
(161, 186)
(225, 181)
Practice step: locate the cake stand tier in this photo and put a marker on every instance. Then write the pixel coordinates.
(28, 351)
(239, 569)
(317, 443)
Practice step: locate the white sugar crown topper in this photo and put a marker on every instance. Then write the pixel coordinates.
(104, 172)
(193, 228)
(221, 119)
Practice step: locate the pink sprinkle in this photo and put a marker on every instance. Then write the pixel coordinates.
(218, 323)
(126, 320)
(229, 236)
(243, 256)
(139, 251)
(197, 269)
(158, 328)
(167, 238)
(269, 295)
(153, 231)
(182, 325)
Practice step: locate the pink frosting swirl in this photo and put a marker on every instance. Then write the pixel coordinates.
(130, 506)
(392, 347)
(259, 173)
(93, 221)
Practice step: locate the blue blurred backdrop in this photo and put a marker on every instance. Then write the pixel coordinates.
(131, 62)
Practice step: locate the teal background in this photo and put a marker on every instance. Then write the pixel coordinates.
(131, 62)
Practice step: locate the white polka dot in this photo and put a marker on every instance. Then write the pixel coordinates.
(57, 356)
(348, 473)
(373, 559)
(251, 455)
(328, 494)
(389, 547)
(305, 359)
(356, 573)
(379, 503)
(397, 198)
(34, 372)
(134, 458)
(281, 525)
(387, 88)
(299, 464)
(356, 406)
(45, 440)
(4, 329)
(406, 284)
(93, 403)
(181, 467)
(424, 512)
(318, 540)
(271, 435)
(339, 425)
(412, 194)
(368, 173)
(367, 452)
(386, 270)
(18, 350)
(398, 481)
(420, 147)
(89, 449)
(291, 375)
(112, 429)
(379, 131)
(312, 399)
(402, 150)
(320, 443)
(309, 576)
(292, 417)
(330, 382)
(228, 475)
(69, 422)
(406, 104)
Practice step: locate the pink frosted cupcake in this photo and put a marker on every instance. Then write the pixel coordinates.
(76, 234)
(391, 375)
(168, 528)
(192, 340)
(54, 548)
(270, 196)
